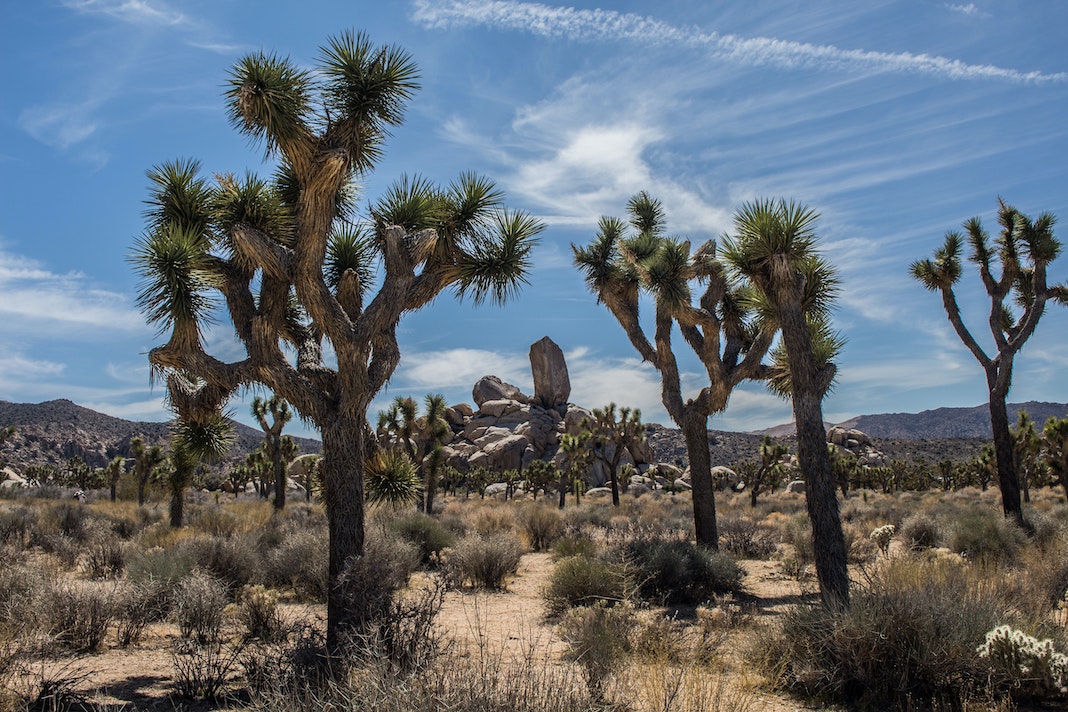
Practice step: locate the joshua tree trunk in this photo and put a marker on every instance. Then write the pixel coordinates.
(344, 445)
(820, 492)
(695, 431)
(1008, 481)
(279, 485)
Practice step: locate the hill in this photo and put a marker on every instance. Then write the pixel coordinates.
(949, 422)
(50, 433)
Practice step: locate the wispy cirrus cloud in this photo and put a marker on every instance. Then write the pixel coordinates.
(597, 24)
(142, 12)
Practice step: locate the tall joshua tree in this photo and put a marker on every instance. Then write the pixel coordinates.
(277, 447)
(692, 293)
(193, 442)
(295, 269)
(773, 247)
(423, 438)
(612, 437)
(147, 459)
(1023, 250)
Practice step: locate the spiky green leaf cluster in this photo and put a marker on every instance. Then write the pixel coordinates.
(391, 478)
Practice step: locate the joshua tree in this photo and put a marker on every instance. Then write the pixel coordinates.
(392, 478)
(769, 471)
(278, 449)
(713, 321)
(1026, 445)
(423, 438)
(611, 437)
(773, 247)
(115, 469)
(574, 445)
(1023, 250)
(191, 444)
(1055, 449)
(294, 268)
(540, 474)
(146, 461)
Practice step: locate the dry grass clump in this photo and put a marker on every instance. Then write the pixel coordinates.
(484, 562)
(541, 524)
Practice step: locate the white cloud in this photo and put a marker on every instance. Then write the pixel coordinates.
(141, 12)
(428, 371)
(597, 24)
(59, 126)
(969, 9)
(38, 301)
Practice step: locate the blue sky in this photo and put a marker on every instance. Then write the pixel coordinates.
(895, 119)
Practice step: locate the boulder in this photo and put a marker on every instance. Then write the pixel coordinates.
(796, 486)
(552, 387)
(499, 407)
(492, 388)
(599, 492)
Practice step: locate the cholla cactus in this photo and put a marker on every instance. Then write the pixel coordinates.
(882, 537)
(1029, 662)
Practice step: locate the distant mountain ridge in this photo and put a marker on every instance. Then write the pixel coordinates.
(52, 432)
(937, 423)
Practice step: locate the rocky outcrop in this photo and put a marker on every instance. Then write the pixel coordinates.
(859, 444)
(552, 386)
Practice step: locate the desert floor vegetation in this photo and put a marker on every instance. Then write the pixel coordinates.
(517, 605)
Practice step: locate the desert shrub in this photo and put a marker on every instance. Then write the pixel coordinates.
(542, 526)
(215, 520)
(485, 563)
(17, 525)
(161, 566)
(22, 590)
(203, 671)
(300, 561)
(370, 582)
(599, 639)
(403, 639)
(200, 607)
(137, 605)
(583, 581)
(66, 549)
(494, 520)
(747, 539)
(861, 548)
(909, 637)
(567, 546)
(232, 560)
(424, 531)
(69, 519)
(79, 616)
(921, 531)
(986, 537)
(106, 556)
(797, 534)
(674, 571)
(257, 609)
(1046, 532)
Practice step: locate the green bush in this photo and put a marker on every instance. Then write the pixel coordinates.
(908, 639)
(680, 572)
(921, 531)
(232, 560)
(424, 531)
(485, 563)
(258, 611)
(583, 581)
(17, 525)
(984, 536)
(573, 546)
(542, 526)
(599, 639)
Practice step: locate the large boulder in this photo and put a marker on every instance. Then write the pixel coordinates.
(552, 387)
(491, 388)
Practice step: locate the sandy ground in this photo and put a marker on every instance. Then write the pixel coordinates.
(512, 621)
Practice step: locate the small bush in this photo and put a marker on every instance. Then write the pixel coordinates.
(370, 582)
(583, 581)
(232, 560)
(573, 546)
(921, 531)
(106, 557)
(203, 671)
(17, 525)
(676, 571)
(494, 520)
(986, 537)
(258, 610)
(542, 526)
(746, 538)
(911, 635)
(137, 605)
(1030, 667)
(300, 561)
(199, 607)
(428, 534)
(80, 616)
(599, 639)
(485, 563)
(216, 521)
(69, 519)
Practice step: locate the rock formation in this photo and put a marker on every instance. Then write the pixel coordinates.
(552, 387)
